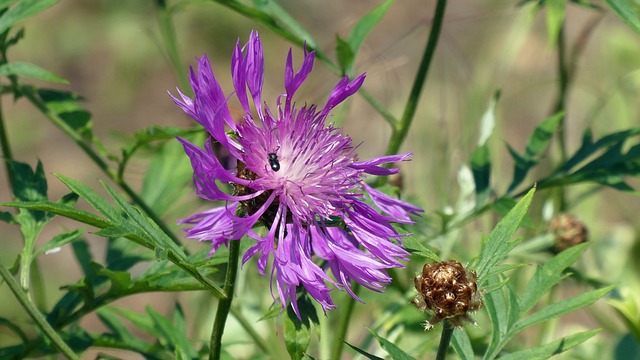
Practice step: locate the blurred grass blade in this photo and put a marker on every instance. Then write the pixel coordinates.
(277, 12)
(555, 18)
(22, 10)
(364, 353)
(546, 351)
(562, 307)
(481, 168)
(30, 71)
(628, 11)
(497, 246)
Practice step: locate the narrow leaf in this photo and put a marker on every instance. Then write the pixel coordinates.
(546, 351)
(22, 10)
(395, 352)
(366, 24)
(481, 168)
(499, 242)
(62, 210)
(628, 11)
(560, 308)
(547, 276)
(462, 344)
(297, 334)
(58, 241)
(29, 71)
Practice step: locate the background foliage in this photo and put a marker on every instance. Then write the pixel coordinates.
(539, 92)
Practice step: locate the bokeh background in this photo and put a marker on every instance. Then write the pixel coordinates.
(112, 55)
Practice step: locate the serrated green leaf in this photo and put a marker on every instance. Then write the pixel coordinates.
(30, 71)
(28, 185)
(58, 241)
(120, 281)
(395, 352)
(546, 351)
(547, 276)
(417, 249)
(62, 210)
(562, 307)
(90, 196)
(499, 243)
(22, 10)
(461, 344)
(628, 11)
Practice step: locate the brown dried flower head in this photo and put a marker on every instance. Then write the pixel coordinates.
(450, 291)
(568, 231)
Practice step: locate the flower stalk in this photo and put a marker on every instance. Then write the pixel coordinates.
(445, 340)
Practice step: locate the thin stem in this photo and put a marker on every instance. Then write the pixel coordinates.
(224, 304)
(560, 106)
(35, 314)
(30, 94)
(445, 339)
(345, 319)
(401, 130)
(6, 149)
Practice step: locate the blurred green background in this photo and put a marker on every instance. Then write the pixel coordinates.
(111, 53)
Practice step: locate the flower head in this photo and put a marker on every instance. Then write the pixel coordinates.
(449, 290)
(296, 175)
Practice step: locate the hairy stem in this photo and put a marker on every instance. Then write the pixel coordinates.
(224, 304)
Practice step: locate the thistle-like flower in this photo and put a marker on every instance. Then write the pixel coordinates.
(297, 176)
(450, 291)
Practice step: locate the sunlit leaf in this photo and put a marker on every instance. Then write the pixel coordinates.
(29, 71)
(628, 11)
(546, 351)
(22, 10)
(393, 350)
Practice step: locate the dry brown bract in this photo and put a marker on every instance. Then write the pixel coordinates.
(450, 291)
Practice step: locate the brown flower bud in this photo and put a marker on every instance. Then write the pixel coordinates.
(568, 231)
(449, 290)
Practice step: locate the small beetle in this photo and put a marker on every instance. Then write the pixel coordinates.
(273, 161)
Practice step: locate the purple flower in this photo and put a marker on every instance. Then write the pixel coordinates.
(297, 176)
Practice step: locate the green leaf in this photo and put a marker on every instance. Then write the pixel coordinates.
(345, 55)
(461, 344)
(547, 276)
(7, 217)
(554, 348)
(277, 12)
(395, 352)
(58, 241)
(496, 303)
(499, 243)
(96, 201)
(363, 353)
(22, 10)
(28, 185)
(555, 18)
(628, 11)
(67, 106)
(297, 331)
(171, 336)
(62, 210)
(562, 307)
(119, 330)
(29, 71)
(361, 30)
(417, 249)
(481, 168)
(537, 144)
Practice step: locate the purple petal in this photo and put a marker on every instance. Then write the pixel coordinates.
(396, 208)
(371, 166)
(255, 69)
(343, 90)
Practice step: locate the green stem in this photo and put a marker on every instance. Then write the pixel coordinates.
(560, 106)
(445, 339)
(6, 149)
(35, 314)
(29, 93)
(224, 304)
(401, 130)
(345, 319)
